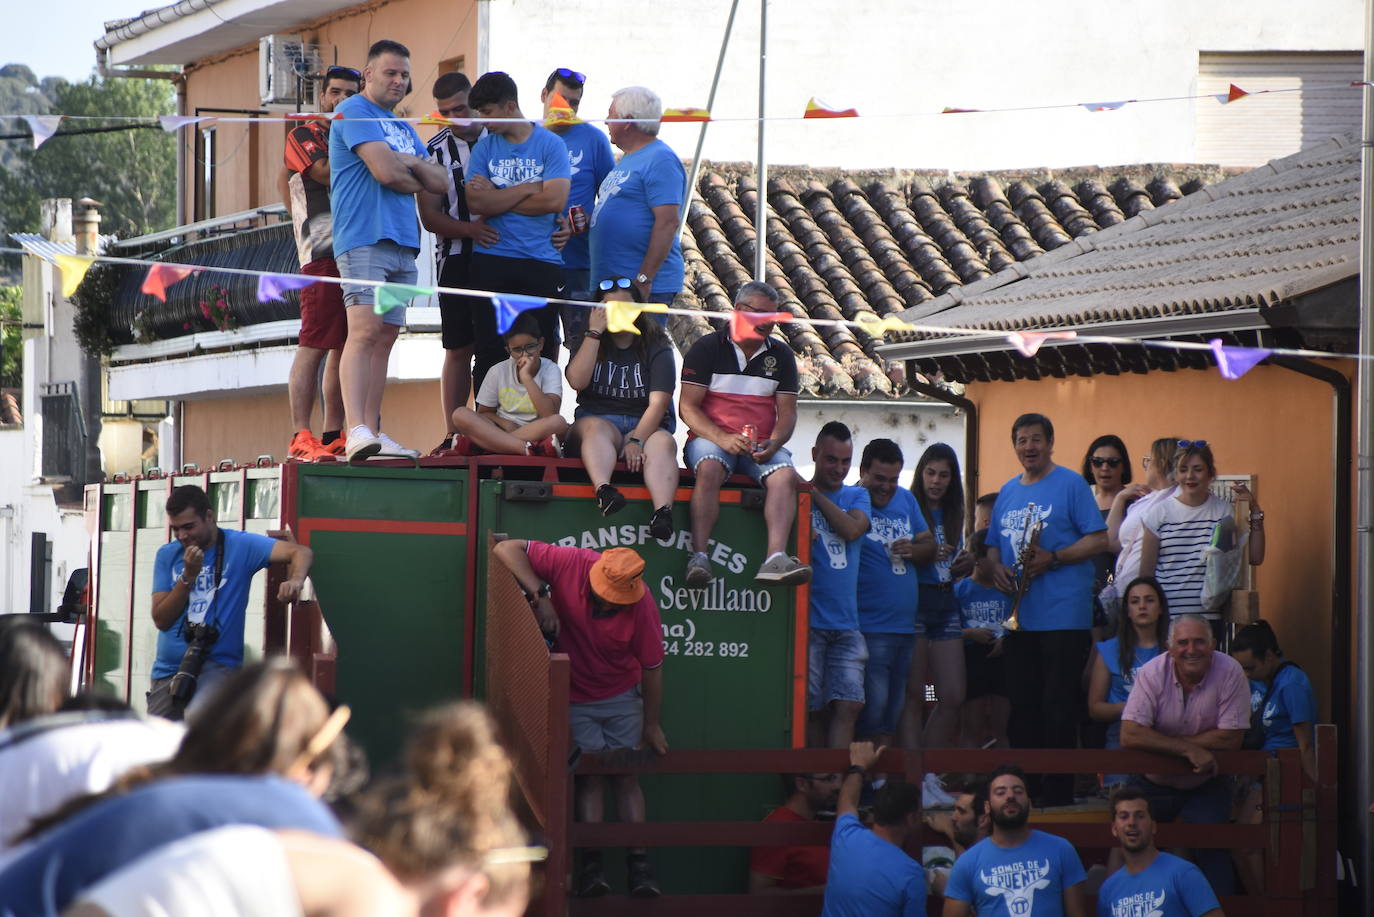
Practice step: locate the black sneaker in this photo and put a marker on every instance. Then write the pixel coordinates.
(591, 881)
(640, 878)
(661, 523)
(609, 500)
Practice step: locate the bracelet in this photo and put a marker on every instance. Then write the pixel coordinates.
(855, 769)
(182, 579)
(636, 440)
(593, 333)
(1256, 515)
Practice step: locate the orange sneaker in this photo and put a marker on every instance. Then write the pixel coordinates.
(306, 448)
(336, 448)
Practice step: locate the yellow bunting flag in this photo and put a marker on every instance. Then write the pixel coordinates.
(685, 114)
(435, 119)
(621, 315)
(818, 109)
(560, 112)
(73, 268)
(878, 326)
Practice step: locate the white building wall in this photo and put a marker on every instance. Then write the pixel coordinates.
(891, 59)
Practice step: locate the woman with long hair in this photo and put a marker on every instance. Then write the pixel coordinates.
(1142, 634)
(939, 657)
(1107, 469)
(33, 671)
(624, 382)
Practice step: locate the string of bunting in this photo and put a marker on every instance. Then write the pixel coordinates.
(44, 127)
(1232, 361)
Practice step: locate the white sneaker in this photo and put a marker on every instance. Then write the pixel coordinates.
(933, 795)
(392, 448)
(360, 444)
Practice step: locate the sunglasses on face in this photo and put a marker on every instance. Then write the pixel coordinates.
(1105, 462)
(617, 283)
(1188, 443)
(343, 73)
(571, 76)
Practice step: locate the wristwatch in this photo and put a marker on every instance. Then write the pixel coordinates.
(641, 277)
(543, 592)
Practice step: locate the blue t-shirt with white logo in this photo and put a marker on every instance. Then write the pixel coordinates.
(937, 571)
(1061, 598)
(623, 219)
(1291, 701)
(1168, 887)
(365, 211)
(888, 588)
(835, 564)
(589, 160)
(870, 876)
(245, 553)
(1119, 687)
(1016, 881)
(982, 606)
(542, 157)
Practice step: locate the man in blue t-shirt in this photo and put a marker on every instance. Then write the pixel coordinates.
(1045, 656)
(898, 539)
(376, 166)
(634, 227)
(589, 161)
(201, 580)
(870, 874)
(518, 181)
(836, 652)
(1151, 883)
(1017, 871)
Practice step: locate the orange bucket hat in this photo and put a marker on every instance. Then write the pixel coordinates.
(617, 576)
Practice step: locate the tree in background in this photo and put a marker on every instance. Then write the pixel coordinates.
(131, 172)
(11, 338)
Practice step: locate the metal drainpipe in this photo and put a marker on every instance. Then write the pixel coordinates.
(106, 71)
(970, 434)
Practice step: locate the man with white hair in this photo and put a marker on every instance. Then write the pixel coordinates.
(1190, 702)
(634, 225)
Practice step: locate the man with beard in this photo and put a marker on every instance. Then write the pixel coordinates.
(1151, 882)
(800, 867)
(1017, 870)
(965, 825)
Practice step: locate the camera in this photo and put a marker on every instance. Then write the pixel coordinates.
(199, 639)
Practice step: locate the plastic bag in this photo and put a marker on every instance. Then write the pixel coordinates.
(1224, 559)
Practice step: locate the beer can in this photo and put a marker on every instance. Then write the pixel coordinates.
(751, 433)
(577, 218)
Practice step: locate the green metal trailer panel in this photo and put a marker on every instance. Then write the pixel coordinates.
(730, 673)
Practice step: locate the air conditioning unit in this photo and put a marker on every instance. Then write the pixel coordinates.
(289, 71)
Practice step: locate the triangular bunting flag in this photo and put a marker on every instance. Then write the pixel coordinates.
(73, 268)
(877, 327)
(391, 295)
(818, 109)
(621, 315)
(172, 123)
(560, 112)
(1235, 92)
(274, 286)
(43, 127)
(959, 111)
(1027, 343)
(438, 120)
(1235, 362)
(744, 326)
(1105, 106)
(685, 114)
(509, 305)
(162, 276)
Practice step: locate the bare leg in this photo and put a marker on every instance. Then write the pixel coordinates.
(455, 383)
(591, 803)
(483, 431)
(999, 713)
(300, 385)
(815, 729)
(1250, 863)
(947, 668)
(355, 365)
(660, 468)
(844, 714)
(333, 395)
(376, 385)
(629, 800)
(914, 707)
(600, 444)
(710, 476)
(543, 428)
(779, 508)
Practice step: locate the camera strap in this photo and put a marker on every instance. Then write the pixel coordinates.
(219, 574)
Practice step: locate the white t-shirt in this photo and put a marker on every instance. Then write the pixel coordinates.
(44, 762)
(234, 871)
(1132, 527)
(1183, 532)
(503, 391)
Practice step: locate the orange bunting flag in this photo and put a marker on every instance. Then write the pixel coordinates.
(877, 327)
(560, 112)
(818, 109)
(1027, 343)
(437, 120)
(685, 114)
(162, 276)
(744, 326)
(1235, 92)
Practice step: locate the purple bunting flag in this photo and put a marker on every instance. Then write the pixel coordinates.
(1235, 362)
(274, 286)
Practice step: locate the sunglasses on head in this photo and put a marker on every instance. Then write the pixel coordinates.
(615, 283)
(347, 73)
(571, 76)
(1189, 443)
(1111, 462)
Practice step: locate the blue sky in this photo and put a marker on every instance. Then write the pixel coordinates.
(55, 39)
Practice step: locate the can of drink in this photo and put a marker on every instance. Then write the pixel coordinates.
(577, 218)
(751, 433)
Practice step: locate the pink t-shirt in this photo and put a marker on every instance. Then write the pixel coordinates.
(1157, 700)
(606, 654)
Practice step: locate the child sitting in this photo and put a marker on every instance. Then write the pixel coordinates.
(517, 406)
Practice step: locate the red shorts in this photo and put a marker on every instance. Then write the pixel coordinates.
(324, 324)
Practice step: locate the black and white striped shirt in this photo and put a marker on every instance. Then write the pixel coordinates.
(452, 152)
(1183, 532)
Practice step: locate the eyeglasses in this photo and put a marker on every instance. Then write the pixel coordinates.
(1189, 443)
(530, 349)
(347, 73)
(1108, 462)
(571, 75)
(615, 283)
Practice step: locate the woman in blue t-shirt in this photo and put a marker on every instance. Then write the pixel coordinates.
(1142, 634)
(624, 382)
(939, 490)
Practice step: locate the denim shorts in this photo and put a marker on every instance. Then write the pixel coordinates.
(937, 614)
(889, 664)
(626, 423)
(384, 260)
(609, 724)
(699, 449)
(834, 667)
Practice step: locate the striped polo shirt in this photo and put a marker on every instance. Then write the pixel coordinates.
(740, 390)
